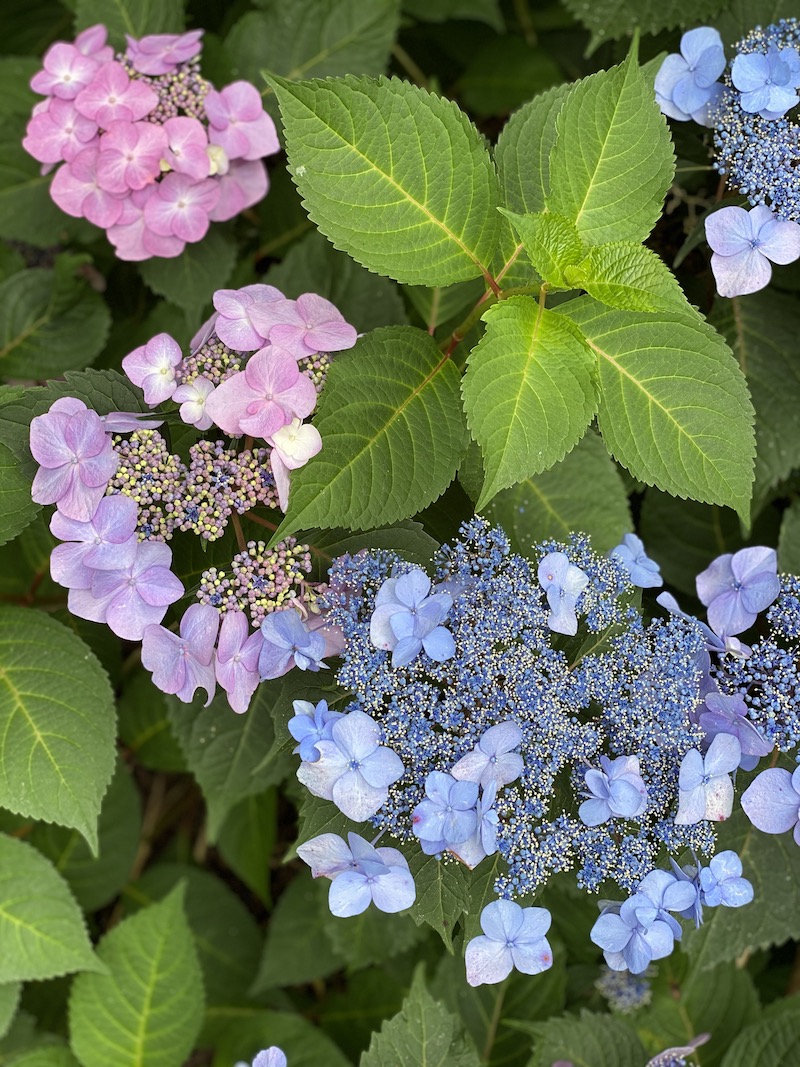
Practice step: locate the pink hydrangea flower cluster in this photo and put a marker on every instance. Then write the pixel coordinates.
(259, 386)
(149, 150)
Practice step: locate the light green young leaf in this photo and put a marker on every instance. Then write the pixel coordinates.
(146, 1011)
(392, 435)
(314, 38)
(590, 1039)
(226, 936)
(762, 331)
(771, 862)
(191, 279)
(552, 243)
(423, 1034)
(442, 894)
(674, 406)
(529, 392)
(57, 721)
(624, 274)
(612, 162)
(42, 931)
(17, 510)
(523, 151)
(583, 492)
(136, 17)
(395, 176)
(51, 321)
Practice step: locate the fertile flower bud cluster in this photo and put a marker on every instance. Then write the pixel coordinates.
(755, 140)
(149, 150)
(121, 494)
(492, 715)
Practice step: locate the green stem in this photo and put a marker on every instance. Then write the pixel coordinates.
(491, 1033)
(414, 71)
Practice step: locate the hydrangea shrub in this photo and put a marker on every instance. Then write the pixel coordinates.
(400, 553)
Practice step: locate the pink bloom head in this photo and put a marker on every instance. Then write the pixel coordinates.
(92, 42)
(113, 97)
(180, 207)
(238, 122)
(243, 185)
(76, 190)
(161, 53)
(192, 399)
(234, 325)
(130, 156)
(132, 238)
(75, 456)
(267, 395)
(66, 72)
(58, 132)
(152, 368)
(187, 145)
(309, 324)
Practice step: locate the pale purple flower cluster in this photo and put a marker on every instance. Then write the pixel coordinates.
(261, 390)
(149, 151)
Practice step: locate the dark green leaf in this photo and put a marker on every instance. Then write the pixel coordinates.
(190, 279)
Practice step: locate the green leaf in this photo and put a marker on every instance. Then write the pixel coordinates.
(789, 544)
(612, 162)
(395, 176)
(440, 305)
(190, 279)
(523, 151)
(719, 1003)
(318, 816)
(247, 841)
(487, 11)
(738, 17)
(17, 510)
(408, 539)
(529, 392)
(772, 863)
(552, 244)
(50, 321)
(314, 38)
(371, 937)
(612, 19)
(57, 720)
(226, 936)
(684, 537)
(147, 1010)
(480, 891)
(297, 949)
(240, 1033)
(9, 1000)
(223, 749)
(674, 407)
(442, 894)
(505, 73)
(144, 725)
(313, 265)
(53, 1056)
(136, 17)
(491, 1012)
(591, 1040)
(423, 1034)
(392, 433)
(27, 213)
(96, 880)
(42, 932)
(762, 332)
(16, 96)
(772, 1042)
(624, 274)
(584, 492)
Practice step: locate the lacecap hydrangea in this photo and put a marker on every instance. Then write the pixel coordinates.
(524, 713)
(146, 148)
(126, 503)
(750, 104)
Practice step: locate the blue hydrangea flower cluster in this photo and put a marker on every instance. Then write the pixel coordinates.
(550, 726)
